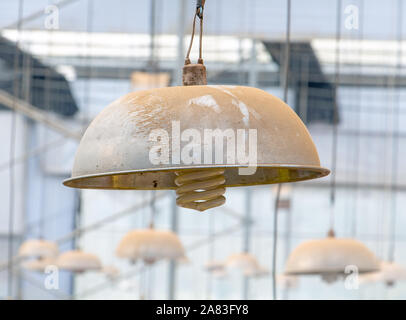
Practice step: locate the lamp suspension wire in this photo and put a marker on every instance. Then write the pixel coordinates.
(152, 209)
(13, 129)
(199, 13)
(395, 136)
(335, 119)
(357, 157)
(278, 189)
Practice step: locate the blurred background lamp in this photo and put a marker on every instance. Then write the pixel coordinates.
(330, 257)
(38, 265)
(389, 273)
(245, 263)
(149, 80)
(38, 248)
(150, 245)
(78, 261)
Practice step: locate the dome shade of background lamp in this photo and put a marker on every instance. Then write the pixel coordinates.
(38, 248)
(38, 265)
(246, 263)
(114, 152)
(78, 261)
(389, 273)
(330, 257)
(150, 245)
(243, 262)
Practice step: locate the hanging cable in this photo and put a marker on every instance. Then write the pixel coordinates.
(152, 209)
(395, 137)
(278, 190)
(335, 118)
(358, 125)
(12, 154)
(199, 14)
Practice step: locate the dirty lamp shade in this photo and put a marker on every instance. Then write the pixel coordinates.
(329, 258)
(38, 248)
(150, 245)
(78, 261)
(114, 152)
(389, 273)
(38, 265)
(245, 263)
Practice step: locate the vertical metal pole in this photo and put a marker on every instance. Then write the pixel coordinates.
(253, 73)
(304, 67)
(285, 293)
(172, 264)
(247, 236)
(181, 45)
(152, 34)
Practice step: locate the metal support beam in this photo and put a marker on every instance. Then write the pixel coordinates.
(172, 263)
(34, 113)
(37, 14)
(253, 71)
(181, 43)
(247, 236)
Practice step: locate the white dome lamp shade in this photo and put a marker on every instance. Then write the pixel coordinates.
(135, 142)
(330, 258)
(38, 265)
(150, 245)
(390, 273)
(246, 263)
(78, 261)
(38, 248)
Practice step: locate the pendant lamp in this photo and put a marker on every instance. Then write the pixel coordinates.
(163, 139)
(38, 265)
(389, 273)
(330, 257)
(246, 263)
(150, 245)
(78, 261)
(38, 248)
(243, 262)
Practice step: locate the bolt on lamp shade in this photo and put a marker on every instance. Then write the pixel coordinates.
(329, 258)
(245, 263)
(38, 265)
(389, 273)
(78, 261)
(38, 248)
(150, 245)
(114, 151)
